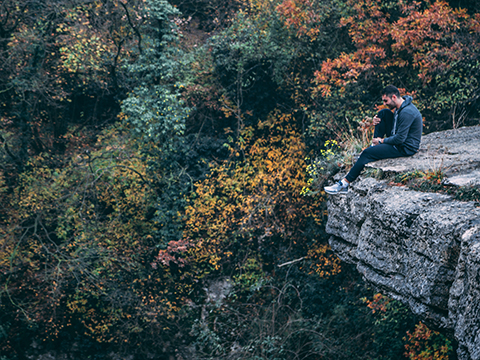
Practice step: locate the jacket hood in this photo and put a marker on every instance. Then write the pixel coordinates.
(408, 100)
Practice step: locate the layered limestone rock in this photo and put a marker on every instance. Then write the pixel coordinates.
(420, 248)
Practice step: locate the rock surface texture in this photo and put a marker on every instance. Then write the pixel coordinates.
(420, 248)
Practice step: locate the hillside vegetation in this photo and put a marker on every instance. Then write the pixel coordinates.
(160, 167)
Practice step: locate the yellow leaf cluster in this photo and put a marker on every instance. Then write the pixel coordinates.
(255, 200)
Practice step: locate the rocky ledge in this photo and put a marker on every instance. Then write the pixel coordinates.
(422, 249)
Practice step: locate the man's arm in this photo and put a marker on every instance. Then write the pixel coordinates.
(404, 122)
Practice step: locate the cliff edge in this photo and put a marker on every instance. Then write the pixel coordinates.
(422, 249)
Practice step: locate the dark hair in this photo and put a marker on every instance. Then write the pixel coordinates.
(390, 90)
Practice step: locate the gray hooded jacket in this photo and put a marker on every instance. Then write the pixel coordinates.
(407, 128)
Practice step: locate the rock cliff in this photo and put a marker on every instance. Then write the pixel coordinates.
(420, 248)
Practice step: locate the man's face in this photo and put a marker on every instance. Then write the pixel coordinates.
(389, 101)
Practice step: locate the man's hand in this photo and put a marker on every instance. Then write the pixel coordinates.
(376, 120)
(376, 141)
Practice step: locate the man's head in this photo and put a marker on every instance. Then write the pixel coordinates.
(391, 97)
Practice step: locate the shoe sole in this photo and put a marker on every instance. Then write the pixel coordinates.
(336, 192)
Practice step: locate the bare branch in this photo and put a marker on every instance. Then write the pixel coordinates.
(291, 262)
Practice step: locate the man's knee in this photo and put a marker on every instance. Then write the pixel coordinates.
(368, 152)
(379, 152)
(366, 156)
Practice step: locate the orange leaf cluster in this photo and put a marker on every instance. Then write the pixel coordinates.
(255, 201)
(425, 344)
(346, 69)
(301, 16)
(170, 254)
(427, 38)
(379, 303)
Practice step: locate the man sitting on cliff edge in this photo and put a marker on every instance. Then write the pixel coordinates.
(402, 140)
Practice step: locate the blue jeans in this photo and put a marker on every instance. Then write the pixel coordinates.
(373, 153)
(381, 151)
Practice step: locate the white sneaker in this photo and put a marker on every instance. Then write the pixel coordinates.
(337, 188)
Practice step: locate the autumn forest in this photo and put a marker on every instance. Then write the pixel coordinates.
(162, 162)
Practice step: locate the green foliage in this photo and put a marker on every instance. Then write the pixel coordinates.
(62, 71)
(83, 232)
(468, 193)
(250, 60)
(211, 14)
(161, 56)
(83, 239)
(455, 92)
(250, 42)
(250, 275)
(323, 167)
(297, 316)
(392, 320)
(156, 116)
